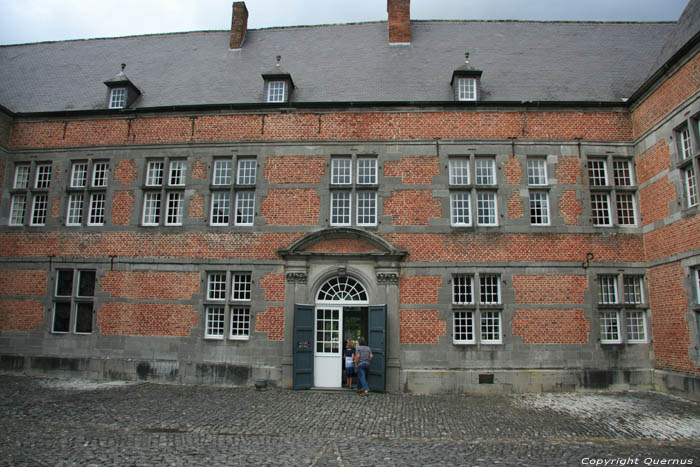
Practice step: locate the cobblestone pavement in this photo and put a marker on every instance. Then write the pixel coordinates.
(71, 422)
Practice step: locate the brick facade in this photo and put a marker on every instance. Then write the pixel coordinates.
(421, 327)
(150, 285)
(546, 326)
(146, 319)
(412, 207)
(550, 289)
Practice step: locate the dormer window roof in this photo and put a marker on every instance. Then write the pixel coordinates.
(121, 91)
(465, 82)
(278, 84)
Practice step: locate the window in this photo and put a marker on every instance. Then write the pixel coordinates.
(22, 177)
(362, 192)
(688, 162)
(17, 210)
(164, 196)
(117, 98)
(40, 205)
(240, 196)
(466, 89)
(38, 194)
(613, 308)
(18, 204)
(224, 302)
(462, 193)
(697, 286)
(73, 301)
(539, 199)
(612, 204)
(275, 91)
(466, 309)
(92, 195)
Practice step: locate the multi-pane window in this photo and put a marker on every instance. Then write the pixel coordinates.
(43, 176)
(539, 197)
(29, 202)
(227, 195)
(164, 196)
(612, 204)
(466, 309)
(22, 177)
(40, 205)
(463, 193)
(459, 171)
(117, 98)
(87, 195)
(361, 194)
(73, 301)
(466, 89)
(275, 91)
(688, 162)
(613, 309)
(228, 297)
(17, 209)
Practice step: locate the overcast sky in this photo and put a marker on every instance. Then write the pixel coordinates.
(24, 21)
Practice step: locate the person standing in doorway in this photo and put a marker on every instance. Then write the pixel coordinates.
(363, 355)
(349, 362)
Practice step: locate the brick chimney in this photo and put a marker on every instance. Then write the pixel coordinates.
(239, 25)
(399, 21)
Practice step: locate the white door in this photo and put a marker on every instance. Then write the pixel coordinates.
(327, 355)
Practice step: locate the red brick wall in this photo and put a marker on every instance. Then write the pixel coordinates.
(291, 206)
(274, 285)
(653, 161)
(271, 322)
(549, 289)
(669, 310)
(125, 172)
(399, 21)
(196, 205)
(671, 239)
(122, 207)
(412, 207)
(146, 319)
(22, 282)
(147, 243)
(515, 205)
(419, 289)
(381, 126)
(655, 199)
(199, 170)
(513, 170)
(568, 170)
(676, 89)
(294, 169)
(342, 245)
(413, 170)
(551, 326)
(421, 327)
(570, 208)
(20, 315)
(475, 246)
(151, 285)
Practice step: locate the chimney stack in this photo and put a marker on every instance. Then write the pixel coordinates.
(239, 25)
(399, 21)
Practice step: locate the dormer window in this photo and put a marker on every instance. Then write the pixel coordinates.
(117, 98)
(465, 82)
(276, 91)
(466, 89)
(122, 92)
(278, 84)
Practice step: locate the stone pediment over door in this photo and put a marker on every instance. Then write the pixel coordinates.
(345, 242)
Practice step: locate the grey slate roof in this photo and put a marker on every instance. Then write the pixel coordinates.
(687, 27)
(521, 61)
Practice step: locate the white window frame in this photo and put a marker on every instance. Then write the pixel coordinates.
(247, 172)
(486, 282)
(216, 199)
(117, 98)
(459, 171)
(215, 322)
(174, 207)
(635, 282)
(240, 323)
(18, 204)
(690, 185)
(633, 326)
(485, 171)
(245, 208)
(462, 286)
(367, 171)
(489, 319)
(606, 318)
(607, 290)
(539, 208)
(486, 203)
(686, 149)
(176, 173)
(338, 213)
(623, 173)
(462, 322)
(152, 208)
(600, 209)
(100, 174)
(241, 283)
(22, 174)
(460, 209)
(366, 202)
(598, 172)
(79, 175)
(40, 209)
(76, 207)
(697, 285)
(216, 286)
(537, 171)
(276, 91)
(466, 89)
(155, 173)
(222, 173)
(341, 171)
(73, 300)
(626, 211)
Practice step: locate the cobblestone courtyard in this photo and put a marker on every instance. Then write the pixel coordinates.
(70, 422)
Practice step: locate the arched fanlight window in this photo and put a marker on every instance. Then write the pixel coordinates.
(342, 289)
